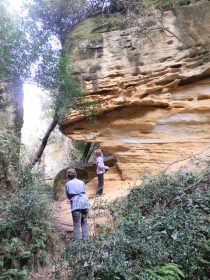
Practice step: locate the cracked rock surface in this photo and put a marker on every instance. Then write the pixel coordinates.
(154, 94)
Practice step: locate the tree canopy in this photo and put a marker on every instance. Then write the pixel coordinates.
(22, 44)
(59, 16)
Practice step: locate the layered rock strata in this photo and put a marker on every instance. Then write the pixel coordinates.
(153, 89)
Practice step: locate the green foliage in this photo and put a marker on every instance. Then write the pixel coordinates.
(9, 150)
(161, 231)
(22, 43)
(25, 215)
(25, 228)
(61, 16)
(168, 271)
(15, 274)
(30, 52)
(56, 77)
(77, 151)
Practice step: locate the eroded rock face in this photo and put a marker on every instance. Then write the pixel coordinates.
(155, 102)
(85, 172)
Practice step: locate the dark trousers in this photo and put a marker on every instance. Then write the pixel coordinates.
(80, 220)
(100, 183)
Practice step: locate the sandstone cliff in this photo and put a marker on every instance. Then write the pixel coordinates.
(153, 89)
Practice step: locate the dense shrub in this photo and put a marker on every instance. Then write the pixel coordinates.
(25, 228)
(9, 155)
(161, 231)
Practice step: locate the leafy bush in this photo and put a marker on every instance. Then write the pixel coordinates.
(161, 231)
(25, 228)
(9, 148)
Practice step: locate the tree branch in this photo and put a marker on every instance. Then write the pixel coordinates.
(86, 151)
(42, 146)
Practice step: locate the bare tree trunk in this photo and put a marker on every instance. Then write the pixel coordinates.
(90, 152)
(42, 146)
(86, 151)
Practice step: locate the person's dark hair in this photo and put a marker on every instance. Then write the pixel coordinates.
(98, 152)
(71, 173)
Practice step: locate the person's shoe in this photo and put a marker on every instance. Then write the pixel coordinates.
(102, 194)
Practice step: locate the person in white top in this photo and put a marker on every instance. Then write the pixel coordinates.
(76, 193)
(100, 170)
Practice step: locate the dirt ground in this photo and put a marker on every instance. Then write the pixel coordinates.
(114, 188)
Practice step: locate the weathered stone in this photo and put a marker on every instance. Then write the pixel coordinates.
(85, 172)
(155, 105)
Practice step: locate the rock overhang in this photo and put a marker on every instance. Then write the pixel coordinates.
(154, 93)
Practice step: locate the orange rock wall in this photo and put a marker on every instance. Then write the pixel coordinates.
(154, 100)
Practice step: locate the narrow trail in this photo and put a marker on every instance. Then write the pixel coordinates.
(114, 188)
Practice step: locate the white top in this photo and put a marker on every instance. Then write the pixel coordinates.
(80, 200)
(100, 165)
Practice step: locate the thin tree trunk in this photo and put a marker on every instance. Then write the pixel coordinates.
(42, 146)
(90, 153)
(86, 150)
